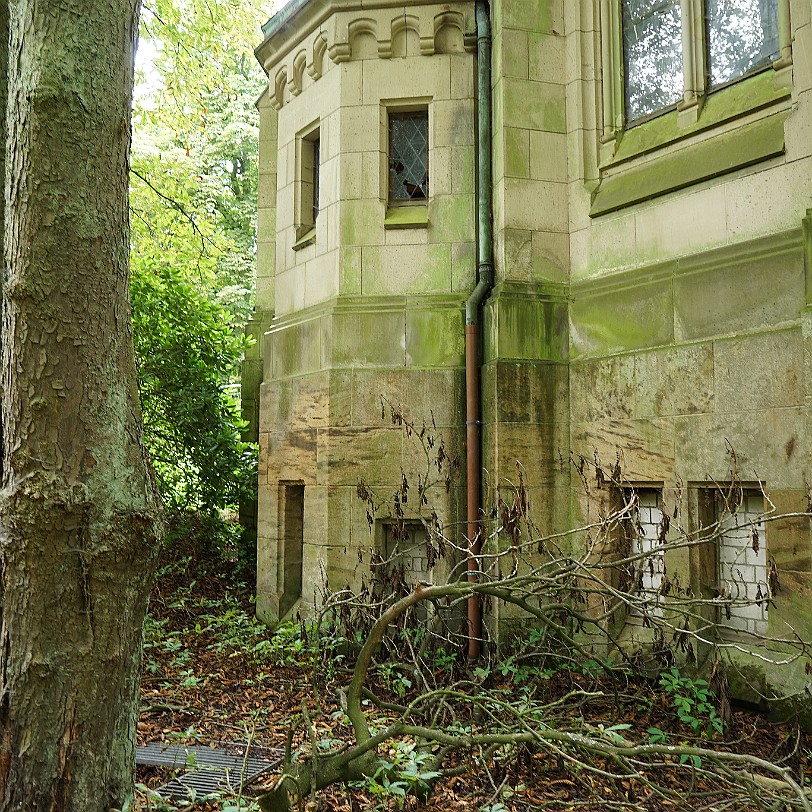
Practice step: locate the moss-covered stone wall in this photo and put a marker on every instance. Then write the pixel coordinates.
(369, 306)
(651, 297)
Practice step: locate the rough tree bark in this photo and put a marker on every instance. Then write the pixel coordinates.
(78, 515)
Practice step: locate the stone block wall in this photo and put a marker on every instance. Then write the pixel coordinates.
(369, 308)
(651, 299)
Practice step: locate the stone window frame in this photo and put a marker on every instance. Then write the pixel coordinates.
(307, 192)
(633, 163)
(404, 213)
(715, 577)
(407, 551)
(290, 543)
(407, 555)
(738, 528)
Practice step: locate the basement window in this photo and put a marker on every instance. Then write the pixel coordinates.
(405, 564)
(742, 565)
(291, 544)
(404, 551)
(645, 531)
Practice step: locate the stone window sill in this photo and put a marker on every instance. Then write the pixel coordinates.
(407, 217)
(308, 238)
(722, 151)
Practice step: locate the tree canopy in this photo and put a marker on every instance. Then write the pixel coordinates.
(193, 210)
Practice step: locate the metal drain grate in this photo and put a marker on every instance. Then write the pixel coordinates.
(208, 769)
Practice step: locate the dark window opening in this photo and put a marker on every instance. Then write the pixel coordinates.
(291, 543)
(316, 167)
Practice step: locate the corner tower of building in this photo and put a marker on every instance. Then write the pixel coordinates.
(366, 241)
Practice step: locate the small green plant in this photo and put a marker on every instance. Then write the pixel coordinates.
(445, 660)
(407, 771)
(693, 701)
(394, 679)
(613, 732)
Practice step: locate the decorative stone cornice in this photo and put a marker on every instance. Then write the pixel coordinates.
(299, 37)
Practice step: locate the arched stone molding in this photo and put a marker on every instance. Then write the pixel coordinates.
(299, 63)
(403, 27)
(279, 84)
(449, 33)
(379, 33)
(362, 35)
(316, 68)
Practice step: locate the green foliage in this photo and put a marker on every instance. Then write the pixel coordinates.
(226, 627)
(186, 350)
(197, 133)
(393, 678)
(150, 801)
(693, 701)
(613, 732)
(407, 771)
(193, 211)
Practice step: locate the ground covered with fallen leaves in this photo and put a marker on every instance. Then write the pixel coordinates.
(214, 676)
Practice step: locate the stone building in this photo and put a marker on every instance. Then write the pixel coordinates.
(652, 245)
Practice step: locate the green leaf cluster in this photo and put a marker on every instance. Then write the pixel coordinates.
(193, 213)
(693, 701)
(186, 349)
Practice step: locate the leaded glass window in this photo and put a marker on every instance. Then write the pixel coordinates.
(409, 156)
(742, 36)
(652, 50)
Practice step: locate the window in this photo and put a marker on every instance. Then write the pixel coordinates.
(404, 550)
(665, 66)
(308, 145)
(742, 565)
(652, 56)
(408, 157)
(405, 560)
(742, 37)
(675, 69)
(645, 531)
(291, 544)
(316, 147)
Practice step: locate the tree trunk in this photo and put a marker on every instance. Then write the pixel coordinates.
(78, 515)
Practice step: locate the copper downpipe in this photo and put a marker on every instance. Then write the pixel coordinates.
(473, 478)
(473, 314)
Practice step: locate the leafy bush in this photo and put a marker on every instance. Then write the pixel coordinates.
(186, 351)
(693, 701)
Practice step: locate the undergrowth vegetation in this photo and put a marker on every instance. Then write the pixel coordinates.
(214, 673)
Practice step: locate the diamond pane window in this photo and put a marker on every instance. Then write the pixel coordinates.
(652, 51)
(742, 35)
(409, 156)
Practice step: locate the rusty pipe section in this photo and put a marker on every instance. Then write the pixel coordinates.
(473, 312)
(474, 480)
